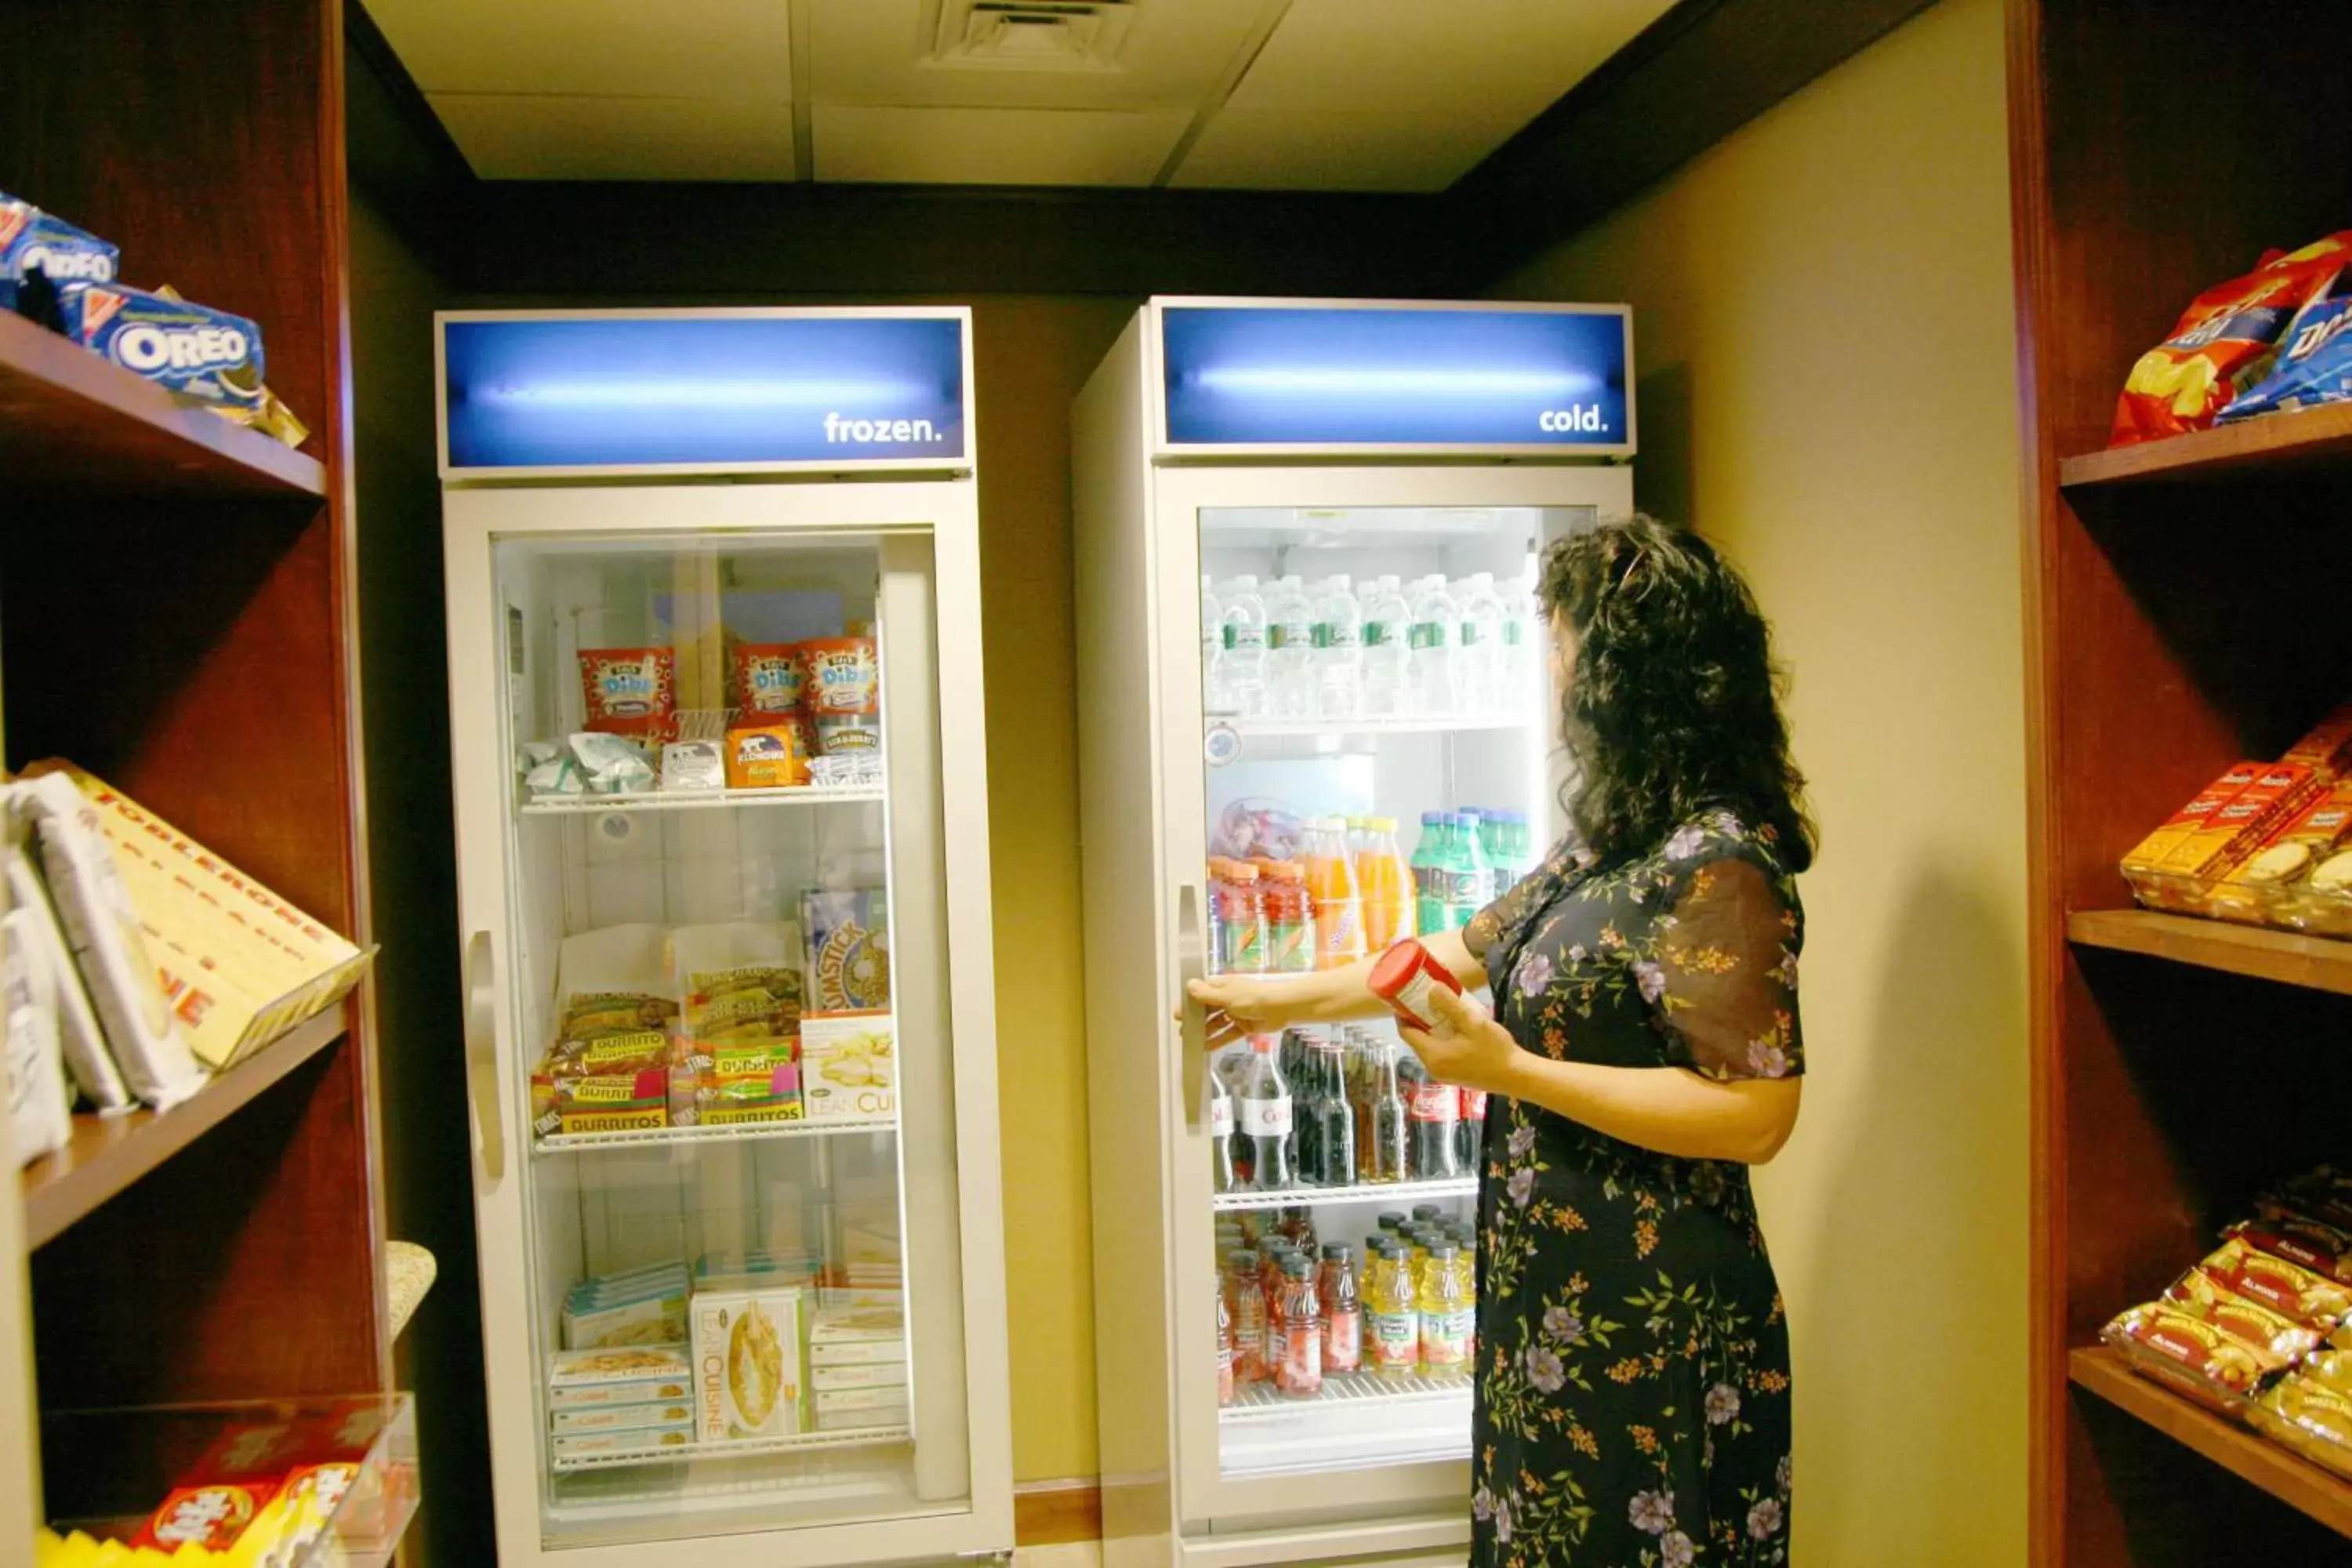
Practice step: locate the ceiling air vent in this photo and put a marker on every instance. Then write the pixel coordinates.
(1028, 35)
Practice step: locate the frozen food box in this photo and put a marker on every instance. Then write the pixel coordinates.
(747, 1363)
(856, 1336)
(641, 1375)
(601, 1444)
(622, 1418)
(239, 965)
(826, 1380)
(646, 1311)
(848, 949)
(849, 1067)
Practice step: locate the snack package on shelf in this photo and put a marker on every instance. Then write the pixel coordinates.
(2315, 360)
(32, 1061)
(747, 1356)
(849, 1066)
(2311, 1243)
(33, 243)
(630, 691)
(2266, 887)
(640, 1375)
(208, 356)
(774, 754)
(2302, 1296)
(2182, 1346)
(849, 933)
(2307, 1417)
(101, 925)
(80, 1037)
(240, 965)
(615, 1041)
(643, 1307)
(2222, 345)
(743, 993)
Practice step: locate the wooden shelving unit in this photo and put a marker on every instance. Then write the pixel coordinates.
(2178, 1065)
(73, 425)
(177, 614)
(110, 1152)
(2245, 1453)
(2281, 448)
(2319, 962)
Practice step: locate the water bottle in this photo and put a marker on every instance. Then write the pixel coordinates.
(1478, 663)
(1386, 624)
(1435, 625)
(1213, 639)
(1523, 642)
(1289, 650)
(1338, 650)
(1241, 663)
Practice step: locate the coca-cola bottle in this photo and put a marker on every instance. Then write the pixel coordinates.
(1433, 1112)
(1221, 1135)
(1471, 1134)
(1265, 1114)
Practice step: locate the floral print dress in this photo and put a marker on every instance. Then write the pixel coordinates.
(1633, 1401)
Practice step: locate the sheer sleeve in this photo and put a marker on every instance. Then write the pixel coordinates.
(1515, 903)
(1727, 988)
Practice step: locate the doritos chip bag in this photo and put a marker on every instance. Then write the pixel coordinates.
(2314, 357)
(2223, 344)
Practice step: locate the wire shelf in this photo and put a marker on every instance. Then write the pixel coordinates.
(737, 1449)
(702, 800)
(746, 1132)
(1258, 1402)
(1394, 1193)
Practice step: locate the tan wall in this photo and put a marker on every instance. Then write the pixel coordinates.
(1825, 332)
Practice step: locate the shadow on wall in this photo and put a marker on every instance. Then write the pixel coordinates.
(1665, 482)
(1865, 1342)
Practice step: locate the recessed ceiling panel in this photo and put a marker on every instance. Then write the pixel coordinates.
(514, 136)
(1306, 150)
(1469, 56)
(1168, 55)
(993, 146)
(687, 48)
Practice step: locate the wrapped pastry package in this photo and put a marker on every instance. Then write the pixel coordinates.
(40, 1110)
(79, 1036)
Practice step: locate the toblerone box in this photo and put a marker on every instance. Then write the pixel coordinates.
(240, 965)
(2151, 852)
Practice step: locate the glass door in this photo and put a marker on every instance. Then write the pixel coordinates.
(726, 987)
(1376, 764)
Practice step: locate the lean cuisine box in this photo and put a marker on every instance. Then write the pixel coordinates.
(239, 965)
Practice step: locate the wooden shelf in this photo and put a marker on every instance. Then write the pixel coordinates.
(2293, 445)
(73, 425)
(109, 1153)
(2245, 1453)
(2316, 962)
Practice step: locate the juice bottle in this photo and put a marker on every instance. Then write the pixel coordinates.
(1300, 1372)
(1248, 1309)
(1214, 940)
(1392, 1222)
(1331, 884)
(1244, 922)
(1384, 882)
(1225, 1354)
(1289, 918)
(1392, 1318)
(1343, 1311)
(1448, 1312)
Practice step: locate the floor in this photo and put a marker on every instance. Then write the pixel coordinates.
(1083, 1555)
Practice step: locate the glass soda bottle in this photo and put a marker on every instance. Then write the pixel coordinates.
(1448, 1312)
(1470, 1132)
(1392, 1317)
(1332, 883)
(1298, 1372)
(1433, 1112)
(1334, 1138)
(1265, 1113)
(1382, 1134)
(1224, 1353)
(1385, 884)
(1343, 1311)
(1245, 1293)
(1289, 918)
(1220, 1134)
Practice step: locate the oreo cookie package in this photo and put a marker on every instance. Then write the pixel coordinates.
(34, 243)
(203, 354)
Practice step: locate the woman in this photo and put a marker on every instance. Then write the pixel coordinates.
(1633, 1386)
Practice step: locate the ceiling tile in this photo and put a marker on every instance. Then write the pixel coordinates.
(684, 49)
(1274, 150)
(524, 137)
(1455, 55)
(993, 146)
(871, 52)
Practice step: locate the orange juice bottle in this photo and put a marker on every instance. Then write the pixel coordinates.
(1384, 883)
(1448, 1312)
(1332, 883)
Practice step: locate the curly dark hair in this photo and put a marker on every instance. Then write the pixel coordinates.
(1673, 707)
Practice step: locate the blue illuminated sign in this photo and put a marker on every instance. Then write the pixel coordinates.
(714, 392)
(1382, 377)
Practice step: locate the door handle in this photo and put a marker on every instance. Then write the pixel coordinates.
(482, 1056)
(1191, 964)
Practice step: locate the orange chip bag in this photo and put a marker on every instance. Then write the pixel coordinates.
(2223, 343)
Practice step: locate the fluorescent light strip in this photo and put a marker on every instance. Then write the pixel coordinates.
(1458, 382)
(656, 393)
